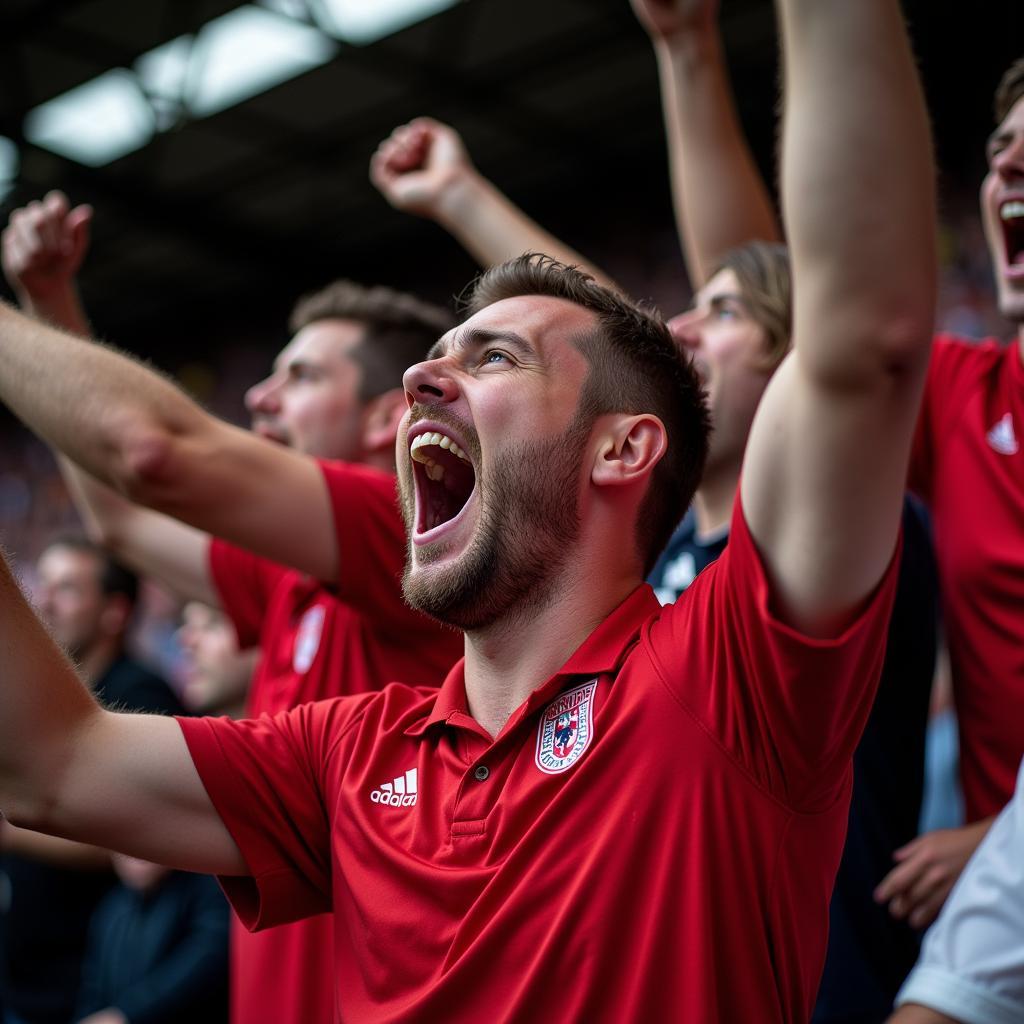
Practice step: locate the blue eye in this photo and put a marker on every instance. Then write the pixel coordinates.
(494, 355)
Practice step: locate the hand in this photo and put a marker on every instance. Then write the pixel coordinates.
(927, 869)
(668, 19)
(43, 246)
(111, 1015)
(418, 165)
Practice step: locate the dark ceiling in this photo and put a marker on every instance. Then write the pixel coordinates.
(216, 226)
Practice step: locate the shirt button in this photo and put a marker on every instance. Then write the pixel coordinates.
(481, 772)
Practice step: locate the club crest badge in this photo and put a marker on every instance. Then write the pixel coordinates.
(565, 729)
(307, 639)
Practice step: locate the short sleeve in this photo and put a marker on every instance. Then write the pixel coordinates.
(245, 583)
(788, 708)
(972, 963)
(264, 777)
(371, 545)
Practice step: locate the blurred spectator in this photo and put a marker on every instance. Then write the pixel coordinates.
(216, 673)
(972, 965)
(157, 951)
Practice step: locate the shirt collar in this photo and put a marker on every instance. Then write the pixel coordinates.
(602, 652)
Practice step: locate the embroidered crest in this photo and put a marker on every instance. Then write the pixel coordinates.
(307, 639)
(565, 729)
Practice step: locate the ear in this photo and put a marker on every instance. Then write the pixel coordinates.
(381, 417)
(628, 449)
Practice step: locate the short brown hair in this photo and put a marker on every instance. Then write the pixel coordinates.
(399, 329)
(1009, 90)
(634, 368)
(763, 272)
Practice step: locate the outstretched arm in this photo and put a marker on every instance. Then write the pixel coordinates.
(719, 197)
(423, 168)
(133, 430)
(71, 769)
(826, 463)
(43, 247)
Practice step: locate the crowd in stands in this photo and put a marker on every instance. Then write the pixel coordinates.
(794, 629)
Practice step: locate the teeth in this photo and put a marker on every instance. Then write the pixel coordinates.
(428, 439)
(1011, 210)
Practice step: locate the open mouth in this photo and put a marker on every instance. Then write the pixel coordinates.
(444, 476)
(1011, 216)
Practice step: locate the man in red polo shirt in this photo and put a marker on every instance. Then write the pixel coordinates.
(340, 626)
(609, 810)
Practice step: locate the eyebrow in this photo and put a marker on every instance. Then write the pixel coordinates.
(477, 337)
(723, 297)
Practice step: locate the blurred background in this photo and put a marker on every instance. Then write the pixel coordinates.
(225, 148)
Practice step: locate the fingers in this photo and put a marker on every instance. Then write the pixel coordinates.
(44, 243)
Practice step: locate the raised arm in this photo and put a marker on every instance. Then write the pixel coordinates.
(69, 768)
(826, 463)
(719, 197)
(43, 247)
(132, 429)
(423, 168)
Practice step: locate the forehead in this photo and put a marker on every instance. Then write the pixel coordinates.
(547, 326)
(64, 561)
(1013, 123)
(321, 342)
(725, 282)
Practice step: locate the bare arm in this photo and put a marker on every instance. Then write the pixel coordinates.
(71, 769)
(60, 853)
(912, 1014)
(43, 247)
(131, 428)
(149, 542)
(423, 168)
(719, 197)
(826, 462)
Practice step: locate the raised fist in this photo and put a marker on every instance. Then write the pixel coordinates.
(43, 246)
(418, 165)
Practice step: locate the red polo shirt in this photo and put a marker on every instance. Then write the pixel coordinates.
(318, 642)
(652, 836)
(968, 466)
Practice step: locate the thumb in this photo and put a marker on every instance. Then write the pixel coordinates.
(78, 224)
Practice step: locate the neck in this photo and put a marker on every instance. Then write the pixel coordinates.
(94, 662)
(508, 660)
(713, 502)
(1020, 340)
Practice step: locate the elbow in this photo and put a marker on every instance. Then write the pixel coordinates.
(903, 342)
(146, 460)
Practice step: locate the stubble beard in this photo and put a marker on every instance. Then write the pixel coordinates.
(529, 521)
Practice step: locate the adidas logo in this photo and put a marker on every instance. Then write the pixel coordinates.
(400, 792)
(1002, 438)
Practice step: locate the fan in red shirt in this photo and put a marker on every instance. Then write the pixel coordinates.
(608, 811)
(337, 623)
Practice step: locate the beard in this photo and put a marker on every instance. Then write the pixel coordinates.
(528, 522)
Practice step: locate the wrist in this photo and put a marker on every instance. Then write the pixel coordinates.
(459, 199)
(689, 48)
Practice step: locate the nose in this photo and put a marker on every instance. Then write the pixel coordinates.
(685, 330)
(264, 397)
(430, 383)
